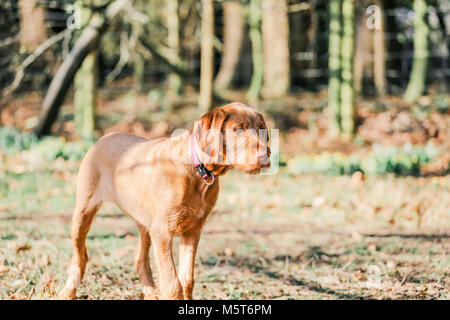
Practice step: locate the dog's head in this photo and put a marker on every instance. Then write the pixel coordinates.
(233, 136)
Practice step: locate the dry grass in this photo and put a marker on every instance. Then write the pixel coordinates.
(270, 237)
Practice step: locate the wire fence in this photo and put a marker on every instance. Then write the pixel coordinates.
(308, 49)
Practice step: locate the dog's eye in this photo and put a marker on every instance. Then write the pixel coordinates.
(238, 130)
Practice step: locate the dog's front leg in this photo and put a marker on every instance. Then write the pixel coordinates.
(142, 261)
(169, 285)
(188, 248)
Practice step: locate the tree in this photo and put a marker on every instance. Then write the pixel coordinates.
(173, 40)
(85, 96)
(418, 74)
(370, 38)
(361, 50)
(254, 21)
(138, 71)
(334, 66)
(32, 35)
(393, 44)
(85, 84)
(275, 32)
(379, 53)
(347, 50)
(340, 88)
(313, 33)
(207, 56)
(32, 25)
(233, 37)
(138, 59)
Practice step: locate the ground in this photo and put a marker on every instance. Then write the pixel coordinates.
(270, 237)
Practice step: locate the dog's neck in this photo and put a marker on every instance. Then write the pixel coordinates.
(184, 143)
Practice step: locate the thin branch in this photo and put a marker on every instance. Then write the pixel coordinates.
(135, 15)
(31, 58)
(176, 66)
(123, 60)
(127, 42)
(299, 7)
(8, 41)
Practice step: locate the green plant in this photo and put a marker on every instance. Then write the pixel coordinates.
(52, 148)
(13, 140)
(403, 161)
(47, 149)
(441, 103)
(326, 163)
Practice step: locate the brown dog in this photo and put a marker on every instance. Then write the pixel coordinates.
(164, 186)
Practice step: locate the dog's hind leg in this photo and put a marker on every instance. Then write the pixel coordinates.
(142, 262)
(81, 223)
(85, 210)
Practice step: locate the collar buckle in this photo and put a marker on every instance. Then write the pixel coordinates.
(205, 174)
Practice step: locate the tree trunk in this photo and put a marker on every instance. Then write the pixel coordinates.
(334, 66)
(361, 50)
(275, 31)
(418, 74)
(207, 56)
(313, 34)
(173, 40)
(85, 96)
(379, 55)
(138, 71)
(233, 36)
(85, 85)
(178, 66)
(347, 50)
(254, 21)
(393, 45)
(32, 25)
(138, 60)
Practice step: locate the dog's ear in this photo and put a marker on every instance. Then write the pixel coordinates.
(208, 133)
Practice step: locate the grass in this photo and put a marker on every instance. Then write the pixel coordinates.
(270, 237)
(287, 236)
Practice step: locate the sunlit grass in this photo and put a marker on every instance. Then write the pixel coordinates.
(270, 237)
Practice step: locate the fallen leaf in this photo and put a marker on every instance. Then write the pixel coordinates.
(49, 287)
(357, 179)
(372, 247)
(23, 247)
(3, 270)
(319, 201)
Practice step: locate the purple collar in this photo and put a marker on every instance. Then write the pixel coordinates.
(206, 175)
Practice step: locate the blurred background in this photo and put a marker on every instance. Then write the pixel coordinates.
(359, 90)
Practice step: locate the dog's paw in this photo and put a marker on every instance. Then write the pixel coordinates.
(149, 293)
(67, 294)
(149, 297)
